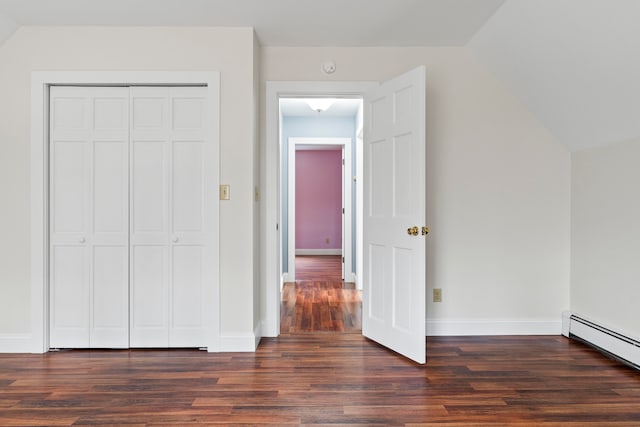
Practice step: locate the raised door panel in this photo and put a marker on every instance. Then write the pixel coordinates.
(149, 297)
(111, 189)
(187, 316)
(70, 177)
(187, 202)
(110, 297)
(69, 297)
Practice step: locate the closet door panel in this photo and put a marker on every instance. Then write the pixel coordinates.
(187, 203)
(69, 296)
(111, 189)
(89, 167)
(187, 324)
(110, 297)
(188, 200)
(69, 188)
(110, 218)
(110, 301)
(150, 192)
(70, 153)
(187, 297)
(168, 202)
(149, 297)
(149, 239)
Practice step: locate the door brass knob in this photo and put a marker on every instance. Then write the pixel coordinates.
(413, 231)
(425, 231)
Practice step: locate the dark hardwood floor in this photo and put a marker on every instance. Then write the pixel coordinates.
(326, 267)
(319, 301)
(325, 379)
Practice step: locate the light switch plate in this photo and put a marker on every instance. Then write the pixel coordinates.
(225, 192)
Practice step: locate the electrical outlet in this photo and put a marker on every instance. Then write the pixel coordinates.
(437, 295)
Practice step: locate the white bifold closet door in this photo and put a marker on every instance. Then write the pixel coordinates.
(89, 217)
(168, 234)
(128, 208)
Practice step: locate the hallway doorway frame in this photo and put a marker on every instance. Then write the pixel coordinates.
(271, 245)
(347, 232)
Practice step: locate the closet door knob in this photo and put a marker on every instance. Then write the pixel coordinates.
(81, 240)
(175, 239)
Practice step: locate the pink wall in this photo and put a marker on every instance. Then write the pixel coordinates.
(318, 199)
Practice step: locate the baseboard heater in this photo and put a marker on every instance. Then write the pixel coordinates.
(621, 347)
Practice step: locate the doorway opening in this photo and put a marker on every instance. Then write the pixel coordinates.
(319, 214)
(394, 194)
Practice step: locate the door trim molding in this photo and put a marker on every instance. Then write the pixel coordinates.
(40, 83)
(346, 252)
(270, 245)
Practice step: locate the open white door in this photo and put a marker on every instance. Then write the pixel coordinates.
(394, 215)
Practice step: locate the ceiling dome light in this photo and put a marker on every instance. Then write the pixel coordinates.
(320, 104)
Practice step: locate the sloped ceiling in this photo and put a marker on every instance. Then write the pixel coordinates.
(574, 63)
(280, 22)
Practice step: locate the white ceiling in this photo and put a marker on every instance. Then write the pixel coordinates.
(298, 107)
(279, 22)
(575, 64)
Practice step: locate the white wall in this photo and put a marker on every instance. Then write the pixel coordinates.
(605, 242)
(498, 189)
(228, 50)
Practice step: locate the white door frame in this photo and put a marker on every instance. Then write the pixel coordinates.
(40, 83)
(270, 248)
(345, 143)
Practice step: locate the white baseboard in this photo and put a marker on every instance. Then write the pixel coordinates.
(16, 343)
(461, 327)
(618, 343)
(318, 251)
(268, 329)
(239, 343)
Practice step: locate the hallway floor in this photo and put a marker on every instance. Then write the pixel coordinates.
(319, 301)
